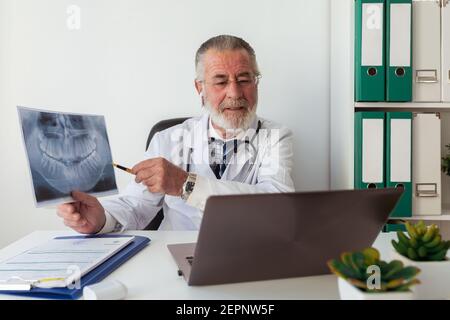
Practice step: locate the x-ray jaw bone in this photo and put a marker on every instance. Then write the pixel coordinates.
(69, 151)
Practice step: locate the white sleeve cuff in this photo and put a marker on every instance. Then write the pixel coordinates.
(200, 193)
(110, 224)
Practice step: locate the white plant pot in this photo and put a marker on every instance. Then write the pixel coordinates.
(349, 292)
(434, 277)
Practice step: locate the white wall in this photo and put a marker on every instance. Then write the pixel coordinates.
(341, 94)
(132, 60)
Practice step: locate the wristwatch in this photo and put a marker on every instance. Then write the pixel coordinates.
(188, 186)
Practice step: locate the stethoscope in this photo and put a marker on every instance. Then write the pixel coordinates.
(247, 142)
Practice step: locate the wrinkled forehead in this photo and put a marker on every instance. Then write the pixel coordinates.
(227, 62)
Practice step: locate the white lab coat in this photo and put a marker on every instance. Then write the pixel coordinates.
(272, 156)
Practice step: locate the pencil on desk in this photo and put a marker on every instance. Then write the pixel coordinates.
(118, 166)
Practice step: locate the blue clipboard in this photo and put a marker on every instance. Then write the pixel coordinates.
(94, 276)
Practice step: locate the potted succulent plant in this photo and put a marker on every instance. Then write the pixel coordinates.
(423, 247)
(356, 273)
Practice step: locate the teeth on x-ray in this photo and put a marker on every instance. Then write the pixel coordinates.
(66, 152)
(71, 152)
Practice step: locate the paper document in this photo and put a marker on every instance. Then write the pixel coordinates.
(59, 262)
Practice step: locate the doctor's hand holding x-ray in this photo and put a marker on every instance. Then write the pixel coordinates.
(227, 81)
(87, 215)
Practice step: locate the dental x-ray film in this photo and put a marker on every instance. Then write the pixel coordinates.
(66, 152)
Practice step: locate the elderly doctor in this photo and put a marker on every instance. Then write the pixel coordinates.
(227, 150)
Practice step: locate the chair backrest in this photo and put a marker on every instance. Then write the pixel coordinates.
(161, 125)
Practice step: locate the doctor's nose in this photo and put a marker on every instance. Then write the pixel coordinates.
(234, 90)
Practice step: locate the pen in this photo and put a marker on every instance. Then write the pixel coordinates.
(127, 170)
(122, 168)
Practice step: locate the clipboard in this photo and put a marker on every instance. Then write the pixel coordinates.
(94, 276)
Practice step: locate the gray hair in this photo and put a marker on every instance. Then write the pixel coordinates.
(222, 43)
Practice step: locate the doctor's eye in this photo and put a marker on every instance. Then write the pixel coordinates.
(244, 83)
(220, 84)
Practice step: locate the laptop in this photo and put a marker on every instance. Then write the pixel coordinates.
(272, 236)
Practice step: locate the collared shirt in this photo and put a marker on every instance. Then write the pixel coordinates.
(220, 150)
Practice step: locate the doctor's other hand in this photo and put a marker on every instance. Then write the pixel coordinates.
(85, 215)
(160, 176)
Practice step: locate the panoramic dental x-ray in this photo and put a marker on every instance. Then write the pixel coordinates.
(66, 152)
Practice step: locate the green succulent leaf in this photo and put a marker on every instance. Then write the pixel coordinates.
(429, 234)
(421, 228)
(348, 259)
(422, 252)
(411, 230)
(342, 270)
(405, 273)
(407, 286)
(414, 243)
(358, 259)
(371, 256)
(433, 243)
(383, 266)
(393, 267)
(403, 238)
(441, 255)
(412, 254)
(400, 248)
(395, 283)
(441, 246)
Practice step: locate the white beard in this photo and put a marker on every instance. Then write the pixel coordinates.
(220, 119)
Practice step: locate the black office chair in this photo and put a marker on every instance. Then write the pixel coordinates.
(162, 125)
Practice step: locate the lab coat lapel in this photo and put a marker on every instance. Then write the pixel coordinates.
(239, 165)
(200, 149)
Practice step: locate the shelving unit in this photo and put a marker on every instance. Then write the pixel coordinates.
(418, 106)
(343, 107)
(445, 216)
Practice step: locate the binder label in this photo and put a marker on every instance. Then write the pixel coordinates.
(400, 150)
(372, 150)
(400, 35)
(372, 34)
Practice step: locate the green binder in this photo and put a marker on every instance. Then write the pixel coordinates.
(369, 50)
(398, 50)
(398, 159)
(391, 227)
(369, 150)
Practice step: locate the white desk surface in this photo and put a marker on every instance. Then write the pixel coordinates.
(152, 273)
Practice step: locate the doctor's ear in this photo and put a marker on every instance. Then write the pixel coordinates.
(202, 97)
(199, 88)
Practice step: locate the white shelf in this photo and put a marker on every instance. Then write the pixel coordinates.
(445, 216)
(403, 105)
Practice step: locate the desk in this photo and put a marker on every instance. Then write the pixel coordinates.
(152, 273)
